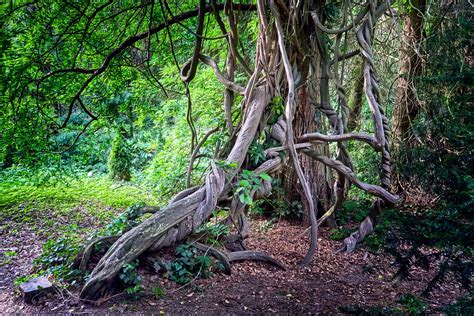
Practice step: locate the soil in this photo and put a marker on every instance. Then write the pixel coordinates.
(333, 283)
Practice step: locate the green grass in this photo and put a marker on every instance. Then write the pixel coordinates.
(62, 211)
(73, 192)
(67, 199)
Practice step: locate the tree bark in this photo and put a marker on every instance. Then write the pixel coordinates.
(306, 119)
(407, 104)
(357, 95)
(316, 173)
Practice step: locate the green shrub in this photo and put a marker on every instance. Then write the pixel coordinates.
(248, 183)
(446, 230)
(212, 233)
(413, 305)
(462, 306)
(120, 159)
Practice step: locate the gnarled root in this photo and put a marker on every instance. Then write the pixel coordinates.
(254, 256)
(219, 255)
(234, 243)
(182, 216)
(82, 258)
(226, 258)
(365, 228)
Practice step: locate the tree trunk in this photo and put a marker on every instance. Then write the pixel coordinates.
(317, 174)
(307, 120)
(291, 63)
(356, 97)
(406, 102)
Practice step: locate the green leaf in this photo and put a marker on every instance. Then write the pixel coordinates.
(244, 183)
(246, 199)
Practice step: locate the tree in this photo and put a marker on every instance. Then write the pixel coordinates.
(407, 104)
(297, 53)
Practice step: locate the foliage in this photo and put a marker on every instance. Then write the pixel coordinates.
(125, 221)
(413, 305)
(463, 306)
(188, 265)
(248, 183)
(277, 108)
(277, 204)
(439, 156)
(158, 291)
(340, 233)
(226, 166)
(45, 199)
(130, 278)
(442, 229)
(119, 159)
(62, 190)
(438, 159)
(256, 153)
(366, 163)
(354, 209)
(58, 256)
(212, 233)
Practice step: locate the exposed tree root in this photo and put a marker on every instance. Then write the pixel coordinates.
(219, 255)
(254, 256)
(83, 257)
(365, 228)
(181, 217)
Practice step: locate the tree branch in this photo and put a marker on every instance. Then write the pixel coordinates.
(129, 42)
(226, 82)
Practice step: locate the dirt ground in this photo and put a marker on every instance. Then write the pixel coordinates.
(333, 283)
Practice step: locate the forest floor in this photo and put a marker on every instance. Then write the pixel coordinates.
(333, 283)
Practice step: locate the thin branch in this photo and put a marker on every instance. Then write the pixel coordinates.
(226, 82)
(349, 174)
(364, 137)
(195, 153)
(345, 56)
(359, 18)
(189, 69)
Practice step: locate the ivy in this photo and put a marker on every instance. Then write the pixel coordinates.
(248, 183)
(188, 265)
(130, 278)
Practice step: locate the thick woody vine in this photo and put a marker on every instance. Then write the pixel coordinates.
(291, 52)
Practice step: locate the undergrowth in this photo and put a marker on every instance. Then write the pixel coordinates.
(49, 203)
(448, 232)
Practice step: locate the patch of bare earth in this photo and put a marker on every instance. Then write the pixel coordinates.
(330, 282)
